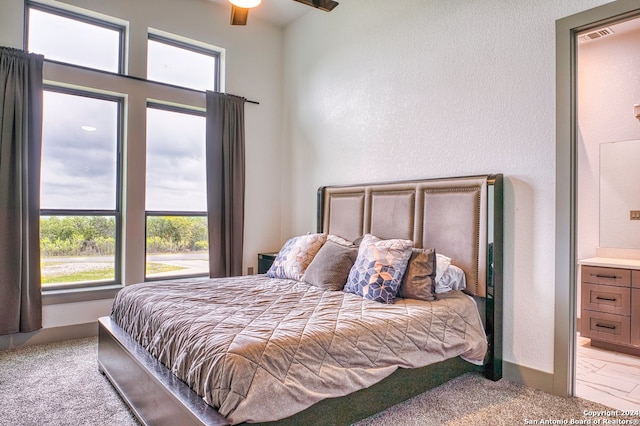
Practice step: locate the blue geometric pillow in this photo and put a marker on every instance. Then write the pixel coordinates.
(378, 269)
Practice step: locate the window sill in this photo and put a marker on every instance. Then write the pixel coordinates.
(84, 294)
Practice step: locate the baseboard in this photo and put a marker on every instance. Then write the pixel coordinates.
(528, 376)
(48, 335)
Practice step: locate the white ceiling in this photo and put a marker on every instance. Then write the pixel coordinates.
(279, 12)
(282, 12)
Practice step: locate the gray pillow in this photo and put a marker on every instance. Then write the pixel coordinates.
(418, 281)
(330, 268)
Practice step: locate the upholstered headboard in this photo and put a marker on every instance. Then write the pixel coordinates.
(455, 216)
(460, 217)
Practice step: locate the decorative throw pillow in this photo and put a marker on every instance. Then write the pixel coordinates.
(452, 279)
(418, 281)
(295, 255)
(330, 268)
(378, 269)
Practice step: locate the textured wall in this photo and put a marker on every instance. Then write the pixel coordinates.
(380, 90)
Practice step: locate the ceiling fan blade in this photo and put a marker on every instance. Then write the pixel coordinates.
(239, 15)
(326, 5)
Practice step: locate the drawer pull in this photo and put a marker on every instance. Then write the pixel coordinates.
(607, 326)
(613, 277)
(609, 299)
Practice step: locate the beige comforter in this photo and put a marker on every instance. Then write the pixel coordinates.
(261, 349)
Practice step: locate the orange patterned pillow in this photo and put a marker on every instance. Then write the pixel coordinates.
(295, 255)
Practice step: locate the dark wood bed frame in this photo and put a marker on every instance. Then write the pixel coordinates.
(461, 217)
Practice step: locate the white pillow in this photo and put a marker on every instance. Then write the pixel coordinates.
(442, 264)
(452, 279)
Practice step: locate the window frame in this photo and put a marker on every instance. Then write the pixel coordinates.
(176, 213)
(121, 29)
(117, 213)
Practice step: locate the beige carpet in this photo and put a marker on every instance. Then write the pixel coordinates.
(473, 400)
(59, 384)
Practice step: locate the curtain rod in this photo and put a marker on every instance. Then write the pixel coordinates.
(245, 99)
(133, 77)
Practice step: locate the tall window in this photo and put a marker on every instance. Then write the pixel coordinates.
(75, 39)
(91, 132)
(80, 188)
(176, 199)
(181, 64)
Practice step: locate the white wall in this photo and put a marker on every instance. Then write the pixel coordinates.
(380, 90)
(253, 69)
(608, 87)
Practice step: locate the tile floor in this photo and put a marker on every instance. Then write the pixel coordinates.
(610, 378)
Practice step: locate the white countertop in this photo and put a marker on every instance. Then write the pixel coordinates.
(609, 262)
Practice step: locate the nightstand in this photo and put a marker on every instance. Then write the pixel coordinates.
(265, 260)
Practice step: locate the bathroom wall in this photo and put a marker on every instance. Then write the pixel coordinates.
(608, 87)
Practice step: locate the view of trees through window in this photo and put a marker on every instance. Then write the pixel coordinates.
(77, 248)
(79, 190)
(81, 248)
(176, 196)
(176, 246)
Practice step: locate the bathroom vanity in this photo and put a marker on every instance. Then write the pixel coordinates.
(610, 303)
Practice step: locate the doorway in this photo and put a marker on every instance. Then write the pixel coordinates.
(568, 139)
(608, 148)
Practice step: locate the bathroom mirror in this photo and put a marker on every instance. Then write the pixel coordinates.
(619, 194)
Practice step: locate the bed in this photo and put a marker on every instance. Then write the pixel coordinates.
(459, 216)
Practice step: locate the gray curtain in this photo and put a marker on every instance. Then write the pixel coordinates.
(225, 183)
(20, 141)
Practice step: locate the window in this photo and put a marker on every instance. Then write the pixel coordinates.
(79, 194)
(75, 39)
(176, 199)
(99, 182)
(181, 64)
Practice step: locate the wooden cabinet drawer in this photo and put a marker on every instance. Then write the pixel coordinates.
(607, 276)
(606, 298)
(606, 327)
(635, 279)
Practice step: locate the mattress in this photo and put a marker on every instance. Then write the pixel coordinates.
(261, 349)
